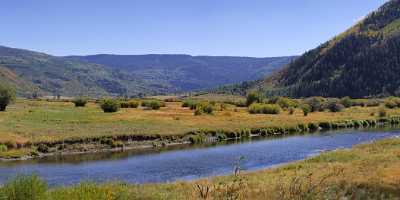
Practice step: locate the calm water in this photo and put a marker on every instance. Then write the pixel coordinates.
(186, 163)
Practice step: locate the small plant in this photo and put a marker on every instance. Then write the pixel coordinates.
(153, 104)
(291, 111)
(80, 101)
(390, 104)
(347, 102)
(204, 107)
(258, 108)
(306, 109)
(110, 105)
(382, 112)
(130, 104)
(335, 107)
(254, 97)
(3, 148)
(7, 96)
(25, 188)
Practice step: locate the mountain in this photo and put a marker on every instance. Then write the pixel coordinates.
(185, 72)
(363, 61)
(103, 75)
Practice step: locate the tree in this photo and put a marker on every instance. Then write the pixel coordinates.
(7, 96)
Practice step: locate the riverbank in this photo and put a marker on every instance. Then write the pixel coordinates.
(367, 171)
(40, 128)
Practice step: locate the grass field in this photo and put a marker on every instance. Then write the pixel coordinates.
(41, 121)
(368, 171)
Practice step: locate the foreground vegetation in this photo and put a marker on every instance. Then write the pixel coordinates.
(368, 171)
(33, 128)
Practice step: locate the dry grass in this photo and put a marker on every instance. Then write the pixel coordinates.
(48, 121)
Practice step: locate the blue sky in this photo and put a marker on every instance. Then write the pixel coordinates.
(260, 28)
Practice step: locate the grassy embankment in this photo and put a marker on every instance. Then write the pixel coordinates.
(368, 171)
(60, 126)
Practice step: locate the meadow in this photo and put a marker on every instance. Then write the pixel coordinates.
(28, 123)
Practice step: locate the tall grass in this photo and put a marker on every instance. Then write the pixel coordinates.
(24, 188)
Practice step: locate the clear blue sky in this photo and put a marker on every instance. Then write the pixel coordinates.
(258, 28)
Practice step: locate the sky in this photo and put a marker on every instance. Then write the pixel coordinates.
(256, 28)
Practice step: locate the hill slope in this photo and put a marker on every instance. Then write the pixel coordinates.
(185, 72)
(102, 75)
(363, 61)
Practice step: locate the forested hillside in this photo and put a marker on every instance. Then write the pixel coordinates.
(363, 61)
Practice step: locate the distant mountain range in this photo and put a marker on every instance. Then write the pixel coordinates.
(363, 61)
(102, 75)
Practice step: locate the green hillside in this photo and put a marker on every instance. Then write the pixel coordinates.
(114, 75)
(363, 61)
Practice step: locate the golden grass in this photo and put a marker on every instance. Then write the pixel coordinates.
(48, 121)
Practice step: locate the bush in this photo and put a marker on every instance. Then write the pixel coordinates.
(390, 104)
(25, 188)
(80, 101)
(372, 103)
(110, 105)
(254, 97)
(347, 102)
(7, 96)
(335, 107)
(315, 103)
(259, 108)
(130, 104)
(291, 111)
(286, 102)
(382, 112)
(306, 109)
(189, 104)
(153, 104)
(204, 107)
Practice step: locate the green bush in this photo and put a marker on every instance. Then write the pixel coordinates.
(316, 103)
(153, 104)
(306, 109)
(7, 96)
(25, 188)
(286, 102)
(347, 102)
(130, 104)
(204, 107)
(254, 97)
(259, 108)
(80, 101)
(189, 103)
(110, 105)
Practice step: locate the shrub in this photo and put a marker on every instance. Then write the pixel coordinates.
(7, 96)
(286, 102)
(306, 109)
(259, 108)
(254, 97)
(291, 111)
(382, 112)
(372, 103)
(80, 101)
(189, 104)
(25, 188)
(390, 104)
(204, 107)
(110, 105)
(153, 104)
(130, 104)
(42, 148)
(334, 106)
(346, 102)
(315, 103)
